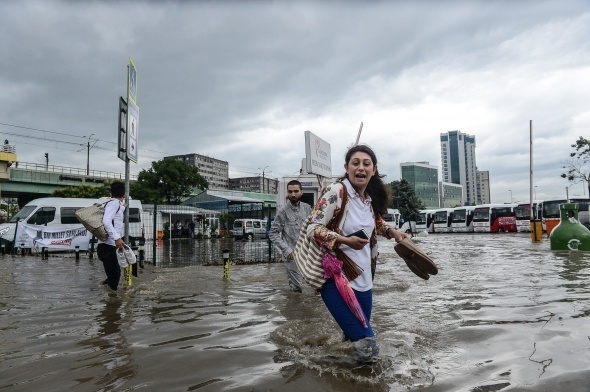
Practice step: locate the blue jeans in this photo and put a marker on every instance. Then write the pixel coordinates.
(350, 325)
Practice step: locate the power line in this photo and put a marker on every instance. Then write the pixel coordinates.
(40, 130)
(112, 149)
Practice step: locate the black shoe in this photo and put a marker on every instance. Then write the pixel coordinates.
(106, 281)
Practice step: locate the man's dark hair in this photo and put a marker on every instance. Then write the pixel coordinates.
(294, 182)
(117, 189)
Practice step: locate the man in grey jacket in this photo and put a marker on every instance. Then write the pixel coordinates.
(285, 231)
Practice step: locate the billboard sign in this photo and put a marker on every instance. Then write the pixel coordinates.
(132, 112)
(132, 130)
(318, 157)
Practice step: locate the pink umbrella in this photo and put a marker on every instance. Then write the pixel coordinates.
(333, 269)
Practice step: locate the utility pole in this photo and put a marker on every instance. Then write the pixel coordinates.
(88, 155)
(263, 177)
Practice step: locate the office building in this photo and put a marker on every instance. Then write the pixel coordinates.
(424, 178)
(215, 171)
(451, 195)
(458, 163)
(483, 187)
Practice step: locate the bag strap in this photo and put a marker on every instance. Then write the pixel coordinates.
(335, 224)
(104, 206)
(349, 267)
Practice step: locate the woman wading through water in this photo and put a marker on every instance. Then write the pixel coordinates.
(361, 197)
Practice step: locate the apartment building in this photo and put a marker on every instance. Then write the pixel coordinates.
(215, 171)
(257, 184)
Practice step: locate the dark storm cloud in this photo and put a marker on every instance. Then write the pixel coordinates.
(241, 81)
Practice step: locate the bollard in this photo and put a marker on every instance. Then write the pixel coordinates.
(22, 249)
(141, 256)
(46, 253)
(141, 251)
(77, 253)
(91, 250)
(134, 265)
(226, 264)
(43, 250)
(2, 249)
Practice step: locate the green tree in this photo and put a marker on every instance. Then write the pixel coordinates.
(85, 191)
(578, 168)
(168, 180)
(405, 200)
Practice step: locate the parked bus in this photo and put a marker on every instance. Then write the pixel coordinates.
(522, 212)
(462, 221)
(442, 220)
(392, 217)
(493, 218)
(424, 221)
(583, 209)
(550, 215)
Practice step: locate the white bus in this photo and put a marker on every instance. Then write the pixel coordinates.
(462, 220)
(522, 213)
(442, 220)
(493, 218)
(51, 223)
(424, 221)
(392, 217)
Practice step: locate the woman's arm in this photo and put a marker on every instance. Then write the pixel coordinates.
(325, 211)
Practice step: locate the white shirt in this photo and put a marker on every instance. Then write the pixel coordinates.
(113, 220)
(359, 216)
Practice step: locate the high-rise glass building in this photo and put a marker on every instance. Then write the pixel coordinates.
(424, 178)
(457, 151)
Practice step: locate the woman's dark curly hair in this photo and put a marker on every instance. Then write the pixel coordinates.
(376, 188)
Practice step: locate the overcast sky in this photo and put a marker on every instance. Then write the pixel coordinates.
(242, 81)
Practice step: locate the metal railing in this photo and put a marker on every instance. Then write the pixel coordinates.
(199, 239)
(71, 170)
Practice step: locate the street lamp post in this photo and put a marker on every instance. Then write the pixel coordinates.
(510, 190)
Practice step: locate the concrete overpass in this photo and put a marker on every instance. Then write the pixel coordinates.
(27, 181)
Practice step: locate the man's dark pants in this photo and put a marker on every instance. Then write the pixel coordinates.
(108, 255)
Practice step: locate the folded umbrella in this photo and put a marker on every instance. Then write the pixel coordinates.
(333, 269)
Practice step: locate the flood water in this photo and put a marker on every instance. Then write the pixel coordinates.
(503, 314)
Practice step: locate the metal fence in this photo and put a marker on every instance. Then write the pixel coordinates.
(178, 235)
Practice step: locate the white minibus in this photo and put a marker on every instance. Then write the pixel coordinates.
(51, 223)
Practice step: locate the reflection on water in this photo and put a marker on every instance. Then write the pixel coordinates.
(502, 314)
(109, 348)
